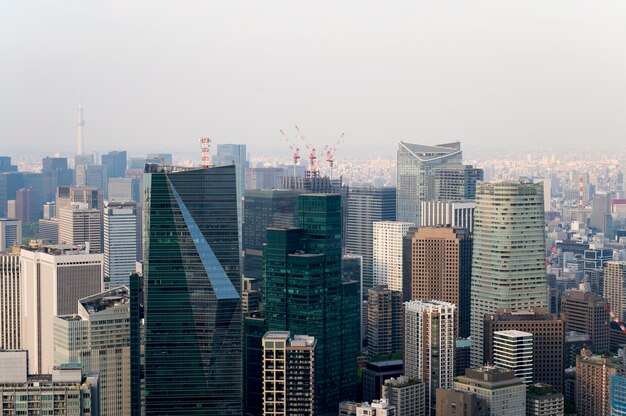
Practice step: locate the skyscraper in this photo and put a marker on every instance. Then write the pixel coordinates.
(120, 242)
(289, 374)
(192, 286)
(10, 233)
(115, 164)
(387, 250)
(593, 380)
(448, 213)
(385, 321)
(438, 265)
(54, 279)
(615, 287)
(10, 302)
(548, 341)
(304, 293)
(508, 267)
(263, 209)
(455, 182)
(55, 173)
(80, 137)
(234, 154)
(429, 345)
(415, 167)
(585, 312)
(79, 224)
(367, 205)
(28, 206)
(98, 338)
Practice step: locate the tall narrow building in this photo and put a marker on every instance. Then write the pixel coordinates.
(429, 346)
(508, 267)
(438, 265)
(10, 233)
(385, 321)
(10, 302)
(79, 224)
(615, 287)
(192, 287)
(388, 245)
(54, 279)
(415, 169)
(120, 242)
(367, 205)
(304, 293)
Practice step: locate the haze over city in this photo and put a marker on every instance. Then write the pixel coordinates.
(161, 74)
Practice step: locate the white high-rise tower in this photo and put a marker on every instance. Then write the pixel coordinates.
(80, 149)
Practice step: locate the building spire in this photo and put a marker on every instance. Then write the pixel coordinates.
(80, 149)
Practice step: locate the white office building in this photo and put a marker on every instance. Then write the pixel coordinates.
(388, 240)
(120, 242)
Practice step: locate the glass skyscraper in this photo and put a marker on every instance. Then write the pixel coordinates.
(367, 205)
(415, 166)
(192, 286)
(508, 265)
(304, 293)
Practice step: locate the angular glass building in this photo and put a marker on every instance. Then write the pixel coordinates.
(192, 288)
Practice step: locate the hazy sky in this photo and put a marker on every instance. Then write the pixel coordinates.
(156, 75)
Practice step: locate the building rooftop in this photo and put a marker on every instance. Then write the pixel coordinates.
(104, 300)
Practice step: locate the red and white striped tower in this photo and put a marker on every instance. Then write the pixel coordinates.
(580, 192)
(205, 147)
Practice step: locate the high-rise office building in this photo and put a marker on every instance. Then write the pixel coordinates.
(449, 214)
(601, 212)
(456, 182)
(407, 395)
(615, 287)
(387, 251)
(120, 242)
(508, 262)
(125, 189)
(49, 231)
(385, 321)
(585, 312)
(28, 205)
(234, 154)
(513, 350)
(429, 345)
(618, 393)
(11, 182)
(98, 338)
(90, 195)
(499, 391)
(192, 288)
(92, 175)
(374, 376)
(115, 164)
(415, 166)
(367, 205)
(548, 341)
(10, 233)
(55, 173)
(304, 293)
(54, 279)
(289, 374)
(10, 302)
(79, 224)
(6, 166)
(254, 328)
(263, 209)
(593, 380)
(438, 265)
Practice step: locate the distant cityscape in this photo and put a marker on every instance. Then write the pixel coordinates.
(310, 283)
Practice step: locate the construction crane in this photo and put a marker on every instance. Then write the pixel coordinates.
(296, 150)
(205, 147)
(330, 153)
(614, 319)
(308, 146)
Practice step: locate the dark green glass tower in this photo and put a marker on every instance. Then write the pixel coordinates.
(192, 283)
(304, 294)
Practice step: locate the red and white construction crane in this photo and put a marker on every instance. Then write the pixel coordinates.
(330, 153)
(308, 146)
(296, 150)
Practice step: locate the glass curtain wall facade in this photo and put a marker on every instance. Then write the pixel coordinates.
(192, 305)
